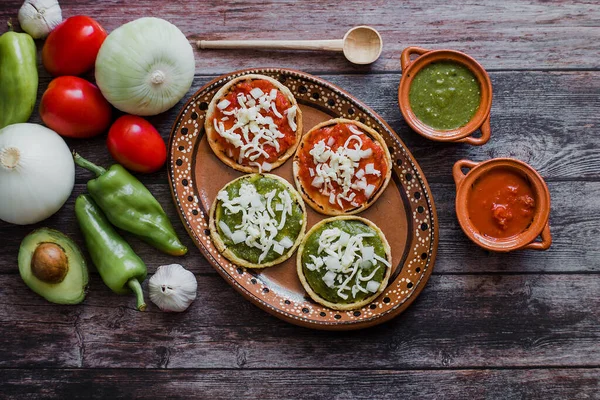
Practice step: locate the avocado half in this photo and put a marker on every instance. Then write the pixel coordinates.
(52, 265)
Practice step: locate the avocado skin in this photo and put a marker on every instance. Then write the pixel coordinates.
(72, 289)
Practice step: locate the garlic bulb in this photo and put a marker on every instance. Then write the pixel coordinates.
(172, 288)
(39, 17)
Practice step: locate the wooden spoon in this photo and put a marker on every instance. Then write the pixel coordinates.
(361, 45)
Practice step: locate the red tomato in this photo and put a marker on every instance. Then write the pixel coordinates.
(136, 144)
(74, 107)
(72, 47)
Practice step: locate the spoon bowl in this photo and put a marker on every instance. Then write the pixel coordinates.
(362, 45)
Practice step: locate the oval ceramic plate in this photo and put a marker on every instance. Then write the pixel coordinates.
(405, 211)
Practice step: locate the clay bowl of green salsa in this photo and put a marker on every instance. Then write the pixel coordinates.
(445, 95)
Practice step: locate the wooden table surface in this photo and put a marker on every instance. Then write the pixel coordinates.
(510, 326)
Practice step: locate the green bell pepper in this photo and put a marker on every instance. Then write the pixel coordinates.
(18, 77)
(120, 268)
(130, 206)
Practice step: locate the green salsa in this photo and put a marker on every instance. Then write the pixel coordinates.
(445, 95)
(264, 185)
(315, 277)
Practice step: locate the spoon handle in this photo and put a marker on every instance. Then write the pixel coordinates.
(327, 45)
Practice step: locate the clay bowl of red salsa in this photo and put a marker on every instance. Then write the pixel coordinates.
(445, 95)
(502, 204)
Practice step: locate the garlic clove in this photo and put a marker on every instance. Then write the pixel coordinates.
(172, 288)
(39, 17)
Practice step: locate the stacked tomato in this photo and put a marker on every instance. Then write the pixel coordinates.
(75, 107)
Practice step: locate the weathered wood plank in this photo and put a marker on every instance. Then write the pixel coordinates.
(548, 119)
(308, 384)
(574, 225)
(457, 322)
(506, 35)
(48, 344)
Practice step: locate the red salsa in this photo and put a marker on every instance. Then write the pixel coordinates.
(501, 203)
(281, 103)
(336, 136)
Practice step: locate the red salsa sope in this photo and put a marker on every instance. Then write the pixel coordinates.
(367, 172)
(278, 115)
(501, 203)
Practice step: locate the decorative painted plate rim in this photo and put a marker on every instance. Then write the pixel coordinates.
(420, 254)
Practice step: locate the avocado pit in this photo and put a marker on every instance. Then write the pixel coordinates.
(49, 263)
(52, 265)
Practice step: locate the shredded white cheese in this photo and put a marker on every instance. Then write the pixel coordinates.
(253, 129)
(286, 242)
(263, 217)
(291, 117)
(341, 166)
(223, 104)
(344, 258)
(256, 93)
(370, 170)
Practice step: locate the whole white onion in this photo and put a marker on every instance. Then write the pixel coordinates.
(37, 173)
(145, 66)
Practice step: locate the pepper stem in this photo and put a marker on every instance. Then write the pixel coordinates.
(135, 286)
(83, 163)
(10, 25)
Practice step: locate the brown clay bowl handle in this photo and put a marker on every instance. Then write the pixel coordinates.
(457, 173)
(409, 51)
(546, 241)
(486, 133)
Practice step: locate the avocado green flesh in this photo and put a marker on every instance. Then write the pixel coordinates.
(444, 95)
(291, 229)
(72, 289)
(315, 278)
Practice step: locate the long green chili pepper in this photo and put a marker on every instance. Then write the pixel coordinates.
(130, 206)
(120, 268)
(18, 77)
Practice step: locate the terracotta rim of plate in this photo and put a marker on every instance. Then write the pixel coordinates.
(481, 119)
(524, 240)
(420, 255)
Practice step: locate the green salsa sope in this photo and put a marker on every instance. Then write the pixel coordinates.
(315, 278)
(445, 95)
(264, 185)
